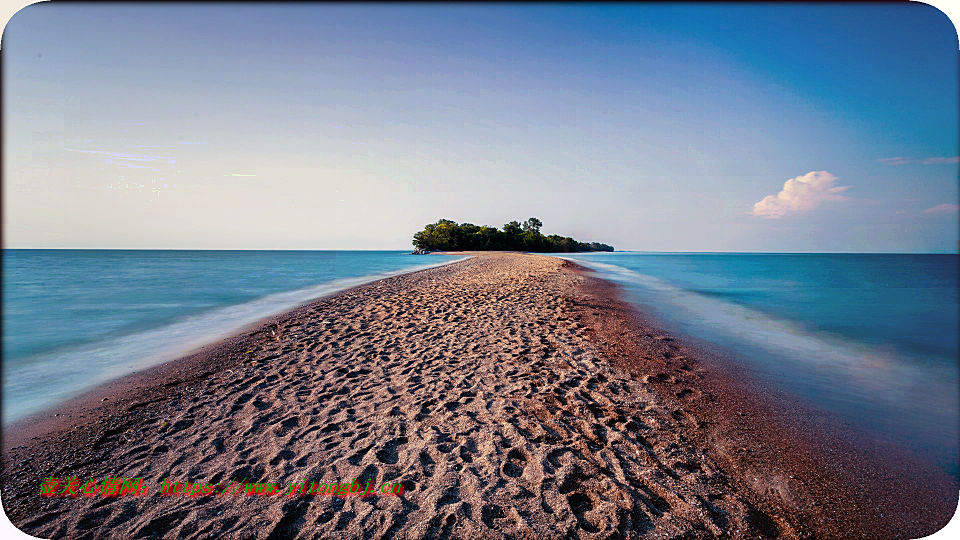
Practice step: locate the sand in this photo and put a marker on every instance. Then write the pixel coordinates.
(512, 396)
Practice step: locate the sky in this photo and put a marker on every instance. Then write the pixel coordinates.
(655, 127)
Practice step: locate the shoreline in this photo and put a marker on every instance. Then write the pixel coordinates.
(268, 308)
(848, 482)
(644, 429)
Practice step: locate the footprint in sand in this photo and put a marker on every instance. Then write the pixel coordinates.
(427, 463)
(489, 513)
(515, 463)
(580, 504)
(388, 454)
(356, 458)
(572, 481)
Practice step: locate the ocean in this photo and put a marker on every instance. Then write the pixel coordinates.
(73, 319)
(870, 338)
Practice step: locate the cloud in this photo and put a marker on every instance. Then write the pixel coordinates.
(800, 194)
(120, 155)
(942, 209)
(894, 160)
(941, 160)
(129, 161)
(926, 161)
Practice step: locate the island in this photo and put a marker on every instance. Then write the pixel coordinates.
(447, 235)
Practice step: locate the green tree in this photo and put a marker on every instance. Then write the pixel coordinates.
(532, 225)
(513, 236)
(447, 235)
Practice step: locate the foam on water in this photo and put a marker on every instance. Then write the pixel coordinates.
(874, 387)
(32, 384)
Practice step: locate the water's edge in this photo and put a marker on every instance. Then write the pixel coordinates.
(166, 343)
(873, 389)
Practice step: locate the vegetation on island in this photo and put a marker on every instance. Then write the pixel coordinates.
(446, 235)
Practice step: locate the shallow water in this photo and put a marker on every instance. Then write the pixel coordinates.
(75, 318)
(872, 338)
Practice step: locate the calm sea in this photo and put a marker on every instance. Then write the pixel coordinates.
(75, 318)
(872, 338)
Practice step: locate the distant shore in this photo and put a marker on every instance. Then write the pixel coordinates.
(509, 394)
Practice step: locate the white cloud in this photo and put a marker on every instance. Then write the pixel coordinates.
(123, 159)
(942, 209)
(120, 155)
(894, 160)
(800, 194)
(941, 160)
(926, 161)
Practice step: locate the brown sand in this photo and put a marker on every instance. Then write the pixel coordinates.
(513, 396)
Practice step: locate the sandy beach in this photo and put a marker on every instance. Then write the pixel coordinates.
(511, 396)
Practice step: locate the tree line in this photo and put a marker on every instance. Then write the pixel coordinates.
(446, 235)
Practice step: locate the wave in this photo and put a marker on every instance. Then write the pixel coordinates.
(784, 349)
(32, 384)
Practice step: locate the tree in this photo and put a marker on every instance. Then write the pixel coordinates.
(532, 225)
(447, 235)
(421, 239)
(513, 229)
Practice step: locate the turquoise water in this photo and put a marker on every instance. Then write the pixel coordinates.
(872, 338)
(75, 318)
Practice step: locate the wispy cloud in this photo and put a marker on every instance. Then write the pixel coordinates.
(800, 194)
(121, 155)
(124, 159)
(941, 160)
(943, 209)
(894, 160)
(926, 161)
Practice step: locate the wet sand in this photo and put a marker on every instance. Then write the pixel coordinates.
(512, 396)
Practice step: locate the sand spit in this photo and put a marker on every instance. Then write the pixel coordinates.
(486, 388)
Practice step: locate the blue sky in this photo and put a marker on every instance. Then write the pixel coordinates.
(699, 127)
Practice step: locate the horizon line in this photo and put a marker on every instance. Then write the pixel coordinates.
(559, 252)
